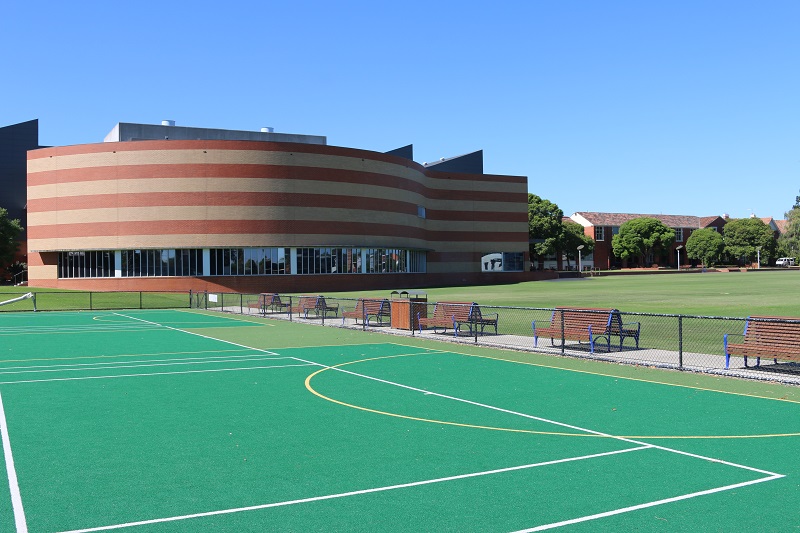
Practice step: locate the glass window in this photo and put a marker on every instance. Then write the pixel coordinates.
(679, 235)
(503, 262)
(91, 264)
(599, 233)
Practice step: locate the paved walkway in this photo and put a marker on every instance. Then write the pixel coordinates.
(696, 362)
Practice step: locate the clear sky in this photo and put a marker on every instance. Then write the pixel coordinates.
(672, 106)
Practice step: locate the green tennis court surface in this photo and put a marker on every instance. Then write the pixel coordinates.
(144, 421)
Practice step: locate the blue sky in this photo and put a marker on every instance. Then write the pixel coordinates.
(675, 107)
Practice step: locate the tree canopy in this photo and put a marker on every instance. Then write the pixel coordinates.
(544, 225)
(572, 236)
(549, 233)
(641, 237)
(744, 236)
(705, 245)
(790, 238)
(10, 230)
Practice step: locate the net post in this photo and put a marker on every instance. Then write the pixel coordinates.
(680, 341)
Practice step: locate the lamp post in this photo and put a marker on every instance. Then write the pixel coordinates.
(678, 249)
(758, 254)
(580, 267)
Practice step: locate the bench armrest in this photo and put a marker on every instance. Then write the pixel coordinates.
(630, 325)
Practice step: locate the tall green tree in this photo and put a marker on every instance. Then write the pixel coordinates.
(705, 245)
(10, 230)
(790, 238)
(544, 226)
(572, 236)
(641, 237)
(744, 236)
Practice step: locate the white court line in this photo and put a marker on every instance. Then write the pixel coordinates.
(643, 445)
(646, 505)
(13, 485)
(352, 493)
(494, 408)
(87, 367)
(540, 419)
(198, 334)
(84, 378)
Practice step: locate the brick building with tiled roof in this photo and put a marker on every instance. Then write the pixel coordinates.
(603, 226)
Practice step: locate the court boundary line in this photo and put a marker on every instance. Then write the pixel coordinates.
(602, 374)
(13, 483)
(642, 445)
(210, 371)
(539, 419)
(646, 505)
(101, 365)
(355, 492)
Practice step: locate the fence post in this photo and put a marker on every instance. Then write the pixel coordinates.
(563, 340)
(680, 341)
(411, 324)
(474, 322)
(140, 300)
(190, 298)
(91, 308)
(290, 308)
(241, 303)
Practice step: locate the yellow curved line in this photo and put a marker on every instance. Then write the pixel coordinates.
(511, 430)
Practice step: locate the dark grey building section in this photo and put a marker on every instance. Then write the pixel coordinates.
(471, 163)
(15, 141)
(406, 152)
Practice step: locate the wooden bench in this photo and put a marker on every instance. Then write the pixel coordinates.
(456, 314)
(323, 307)
(446, 315)
(480, 320)
(271, 302)
(304, 305)
(581, 324)
(367, 308)
(765, 336)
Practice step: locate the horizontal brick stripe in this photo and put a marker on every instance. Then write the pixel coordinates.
(232, 227)
(200, 199)
(486, 191)
(478, 216)
(327, 216)
(258, 146)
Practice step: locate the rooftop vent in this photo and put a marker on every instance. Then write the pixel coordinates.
(167, 122)
(267, 129)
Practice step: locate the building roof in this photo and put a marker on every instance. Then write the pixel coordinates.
(782, 225)
(589, 218)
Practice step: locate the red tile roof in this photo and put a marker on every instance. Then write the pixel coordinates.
(673, 221)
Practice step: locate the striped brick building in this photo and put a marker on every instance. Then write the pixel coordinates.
(169, 208)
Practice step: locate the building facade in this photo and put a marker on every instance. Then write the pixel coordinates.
(170, 208)
(603, 226)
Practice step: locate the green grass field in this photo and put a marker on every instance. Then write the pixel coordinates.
(738, 294)
(710, 294)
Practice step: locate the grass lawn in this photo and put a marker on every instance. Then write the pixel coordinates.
(737, 294)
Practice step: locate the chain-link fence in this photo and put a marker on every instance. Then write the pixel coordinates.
(96, 301)
(756, 347)
(694, 343)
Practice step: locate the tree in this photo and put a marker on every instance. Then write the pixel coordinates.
(572, 236)
(544, 226)
(10, 230)
(744, 236)
(790, 239)
(705, 245)
(641, 237)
